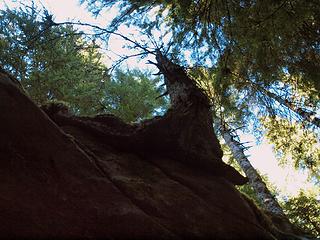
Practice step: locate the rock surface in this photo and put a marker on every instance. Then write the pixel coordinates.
(66, 177)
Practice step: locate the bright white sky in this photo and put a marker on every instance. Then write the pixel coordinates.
(287, 180)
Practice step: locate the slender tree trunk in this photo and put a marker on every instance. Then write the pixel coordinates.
(264, 195)
(269, 202)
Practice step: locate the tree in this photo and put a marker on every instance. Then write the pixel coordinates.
(133, 95)
(294, 145)
(304, 211)
(249, 43)
(225, 107)
(61, 64)
(57, 62)
(268, 201)
(229, 69)
(187, 126)
(228, 106)
(238, 150)
(265, 39)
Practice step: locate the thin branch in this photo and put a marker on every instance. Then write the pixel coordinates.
(123, 58)
(109, 32)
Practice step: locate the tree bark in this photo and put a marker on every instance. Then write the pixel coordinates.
(269, 202)
(264, 195)
(186, 129)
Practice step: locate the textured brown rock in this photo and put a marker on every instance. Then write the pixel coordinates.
(80, 180)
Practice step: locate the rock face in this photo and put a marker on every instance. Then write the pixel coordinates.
(70, 177)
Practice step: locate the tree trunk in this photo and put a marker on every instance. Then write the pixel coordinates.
(186, 130)
(264, 195)
(268, 201)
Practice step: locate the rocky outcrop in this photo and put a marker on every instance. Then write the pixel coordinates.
(98, 178)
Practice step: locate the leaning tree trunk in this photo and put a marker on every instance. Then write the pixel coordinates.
(269, 202)
(264, 195)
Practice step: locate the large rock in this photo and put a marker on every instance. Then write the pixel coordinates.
(64, 180)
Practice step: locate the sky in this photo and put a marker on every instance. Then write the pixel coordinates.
(262, 157)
